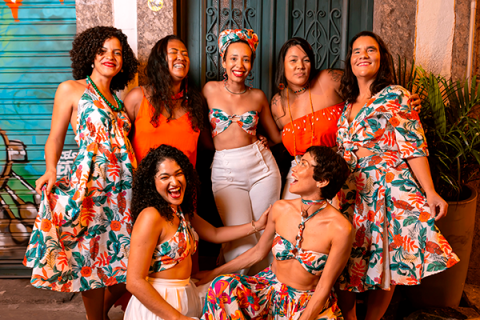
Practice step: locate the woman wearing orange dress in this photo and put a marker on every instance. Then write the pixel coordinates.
(166, 110)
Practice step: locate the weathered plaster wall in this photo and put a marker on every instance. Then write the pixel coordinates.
(460, 39)
(434, 38)
(152, 26)
(91, 13)
(394, 21)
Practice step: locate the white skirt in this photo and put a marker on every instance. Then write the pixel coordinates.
(180, 294)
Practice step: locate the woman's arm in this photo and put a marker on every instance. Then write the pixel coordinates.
(132, 103)
(249, 257)
(225, 234)
(146, 232)
(62, 113)
(268, 123)
(337, 259)
(421, 169)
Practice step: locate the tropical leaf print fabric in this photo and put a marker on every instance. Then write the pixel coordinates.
(396, 240)
(81, 236)
(220, 121)
(237, 297)
(184, 243)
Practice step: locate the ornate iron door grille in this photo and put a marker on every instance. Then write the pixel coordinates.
(221, 15)
(320, 23)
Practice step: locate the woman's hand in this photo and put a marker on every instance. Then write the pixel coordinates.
(261, 223)
(205, 276)
(263, 140)
(438, 206)
(416, 102)
(48, 178)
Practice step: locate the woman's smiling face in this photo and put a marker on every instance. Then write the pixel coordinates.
(170, 182)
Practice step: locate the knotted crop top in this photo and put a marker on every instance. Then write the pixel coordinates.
(171, 252)
(312, 261)
(220, 121)
(302, 135)
(282, 249)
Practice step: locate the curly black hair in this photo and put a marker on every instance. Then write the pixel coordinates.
(145, 194)
(349, 85)
(330, 166)
(159, 81)
(89, 43)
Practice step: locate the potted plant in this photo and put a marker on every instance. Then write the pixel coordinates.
(450, 118)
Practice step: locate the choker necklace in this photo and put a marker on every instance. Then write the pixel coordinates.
(305, 218)
(178, 95)
(119, 103)
(302, 89)
(309, 203)
(246, 88)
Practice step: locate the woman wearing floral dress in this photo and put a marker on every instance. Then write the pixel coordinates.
(81, 238)
(382, 140)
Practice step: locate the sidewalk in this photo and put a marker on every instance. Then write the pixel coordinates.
(19, 300)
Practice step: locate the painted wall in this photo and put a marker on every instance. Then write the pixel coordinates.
(35, 37)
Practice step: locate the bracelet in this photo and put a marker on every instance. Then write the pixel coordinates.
(253, 227)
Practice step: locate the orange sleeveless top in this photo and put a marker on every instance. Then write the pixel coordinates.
(300, 136)
(177, 132)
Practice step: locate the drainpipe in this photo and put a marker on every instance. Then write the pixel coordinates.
(471, 39)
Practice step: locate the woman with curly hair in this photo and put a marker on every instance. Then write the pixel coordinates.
(165, 189)
(166, 110)
(310, 241)
(390, 197)
(81, 237)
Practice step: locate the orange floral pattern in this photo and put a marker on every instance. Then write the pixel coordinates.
(388, 209)
(81, 237)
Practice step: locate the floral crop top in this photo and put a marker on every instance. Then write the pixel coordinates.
(171, 252)
(312, 261)
(220, 121)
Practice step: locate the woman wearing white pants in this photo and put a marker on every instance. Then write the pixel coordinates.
(245, 176)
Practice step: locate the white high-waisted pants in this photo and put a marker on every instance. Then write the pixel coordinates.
(245, 181)
(180, 294)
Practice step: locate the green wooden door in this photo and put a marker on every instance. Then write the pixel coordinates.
(35, 38)
(326, 24)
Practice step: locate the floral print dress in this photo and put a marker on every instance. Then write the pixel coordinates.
(396, 240)
(81, 236)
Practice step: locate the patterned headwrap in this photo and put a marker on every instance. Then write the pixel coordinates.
(233, 35)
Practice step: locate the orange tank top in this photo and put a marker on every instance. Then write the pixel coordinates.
(177, 132)
(299, 138)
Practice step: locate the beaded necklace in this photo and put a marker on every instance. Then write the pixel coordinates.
(114, 108)
(302, 89)
(293, 128)
(305, 218)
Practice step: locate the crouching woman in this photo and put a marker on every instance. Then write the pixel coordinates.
(310, 241)
(164, 238)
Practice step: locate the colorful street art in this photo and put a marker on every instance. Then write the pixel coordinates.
(35, 38)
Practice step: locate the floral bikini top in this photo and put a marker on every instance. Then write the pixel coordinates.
(282, 249)
(220, 121)
(171, 252)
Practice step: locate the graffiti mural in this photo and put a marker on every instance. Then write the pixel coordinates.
(35, 38)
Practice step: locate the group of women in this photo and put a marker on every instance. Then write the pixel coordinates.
(110, 222)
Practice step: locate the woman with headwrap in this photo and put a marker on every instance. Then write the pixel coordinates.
(245, 176)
